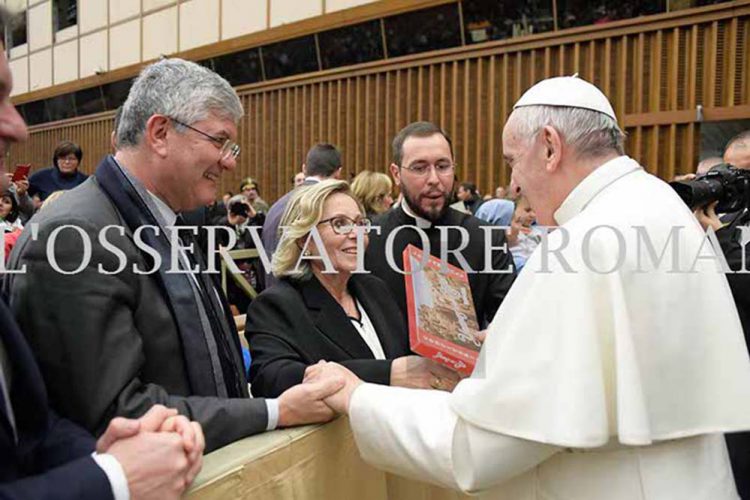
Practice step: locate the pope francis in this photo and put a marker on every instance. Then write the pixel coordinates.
(615, 363)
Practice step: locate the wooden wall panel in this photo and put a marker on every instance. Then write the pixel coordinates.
(655, 73)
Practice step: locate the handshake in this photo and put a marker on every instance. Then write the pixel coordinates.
(327, 388)
(160, 453)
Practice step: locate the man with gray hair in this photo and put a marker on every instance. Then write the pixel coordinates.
(604, 373)
(118, 319)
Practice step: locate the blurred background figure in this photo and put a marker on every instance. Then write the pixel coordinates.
(9, 220)
(250, 189)
(373, 190)
(737, 152)
(501, 193)
(225, 197)
(524, 235)
(238, 216)
(298, 179)
(468, 194)
(497, 212)
(703, 167)
(312, 314)
(62, 175)
(323, 161)
(707, 164)
(10, 223)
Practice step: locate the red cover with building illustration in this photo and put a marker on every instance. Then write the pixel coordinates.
(442, 320)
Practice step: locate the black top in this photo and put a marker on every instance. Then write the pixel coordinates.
(295, 324)
(488, 290)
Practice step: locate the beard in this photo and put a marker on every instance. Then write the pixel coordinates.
(433, 213)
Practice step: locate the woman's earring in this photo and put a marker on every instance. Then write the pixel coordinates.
(306, 253)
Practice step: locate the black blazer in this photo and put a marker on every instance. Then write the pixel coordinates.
(296, 324)
(52, 457)
(488, 290)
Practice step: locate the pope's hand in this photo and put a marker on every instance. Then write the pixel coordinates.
(306, 403)
(339, 401)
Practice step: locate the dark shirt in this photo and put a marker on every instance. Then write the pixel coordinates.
(47, 181)
(488, 290)
(730, 239)
(473, 204)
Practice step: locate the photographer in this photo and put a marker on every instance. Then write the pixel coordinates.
(729, 235)
(240, 216)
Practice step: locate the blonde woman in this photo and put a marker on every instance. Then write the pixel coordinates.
(373, 190)
(343, 316)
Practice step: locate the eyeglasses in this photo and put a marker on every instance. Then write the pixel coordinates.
(227, 147)
(343, 225)
(441, 168)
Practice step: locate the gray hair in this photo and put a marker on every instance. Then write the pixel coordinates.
(179, 89)
(588, 132)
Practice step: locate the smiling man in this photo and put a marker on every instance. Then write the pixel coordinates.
(110, 338)
(423, 168)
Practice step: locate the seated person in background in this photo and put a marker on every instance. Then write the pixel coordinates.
(311, 315)
(524, 235)
(373, 190)
(239, 215)
(62, 175)
(9, 220)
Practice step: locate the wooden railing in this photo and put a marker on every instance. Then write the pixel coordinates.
(656, 71)
(304, 463)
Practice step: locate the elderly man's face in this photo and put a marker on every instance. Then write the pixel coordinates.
(12, 126)
(197, 168)
(426, 193)
(526, 159)
(738, 155)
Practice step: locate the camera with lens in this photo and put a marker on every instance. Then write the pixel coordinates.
(239, 208)
(728, 185)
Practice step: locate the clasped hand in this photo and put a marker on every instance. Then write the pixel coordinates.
(160, 453)
(407, 371)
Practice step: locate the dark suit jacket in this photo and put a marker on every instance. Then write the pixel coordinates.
(108, 345)
(296, 324)
(52, 458)
(730, 239)
(488, 290)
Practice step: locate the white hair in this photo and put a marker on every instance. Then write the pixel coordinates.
(179, 89)
(589, 133)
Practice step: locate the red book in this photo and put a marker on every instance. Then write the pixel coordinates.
(442, 320)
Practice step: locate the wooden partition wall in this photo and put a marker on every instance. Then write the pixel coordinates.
(656, 70)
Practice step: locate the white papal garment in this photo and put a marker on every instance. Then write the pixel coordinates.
(592, 384)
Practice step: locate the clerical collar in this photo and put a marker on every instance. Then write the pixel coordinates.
(592, 185)
(422, 223)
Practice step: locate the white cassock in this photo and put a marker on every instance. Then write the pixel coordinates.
(591, 385)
